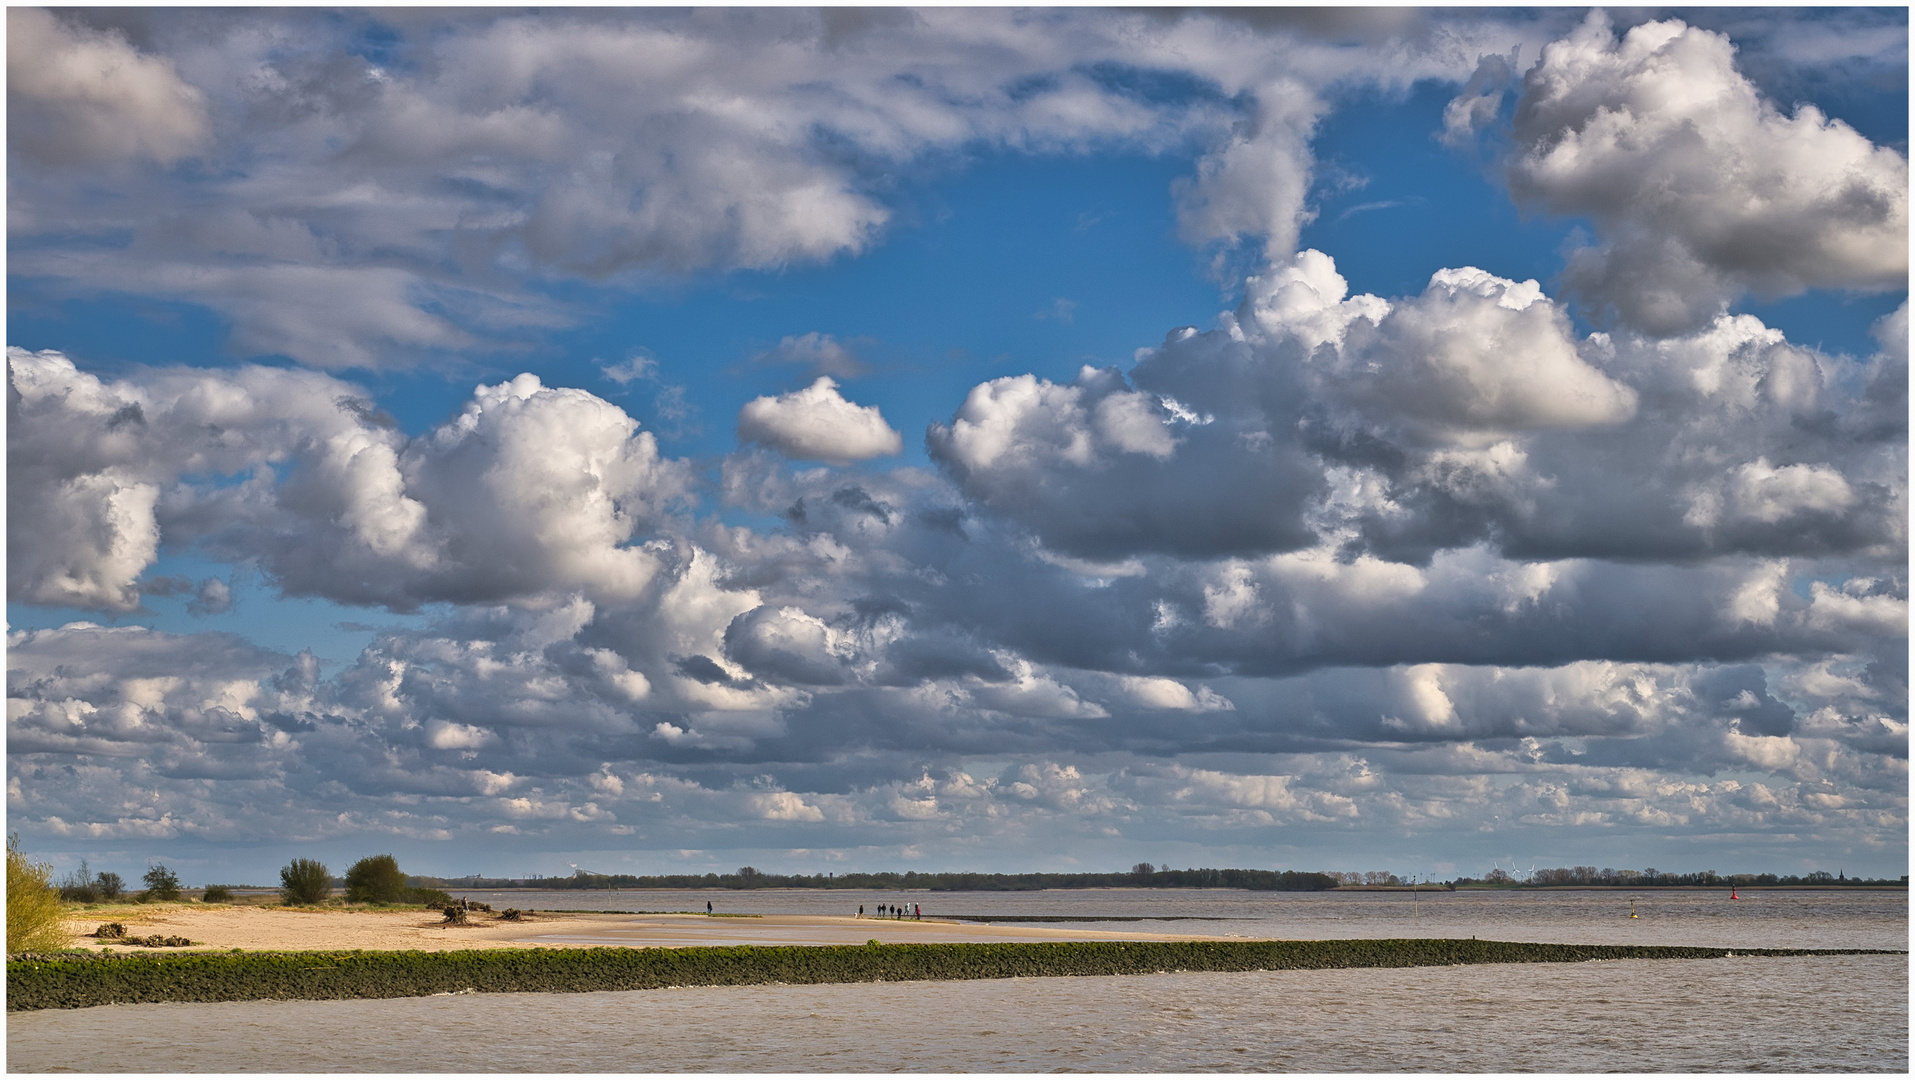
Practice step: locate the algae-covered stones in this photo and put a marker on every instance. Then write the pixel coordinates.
(110, 931)
(156, 941)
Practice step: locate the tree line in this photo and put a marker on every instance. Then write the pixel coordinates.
(1653, 878)
(375, 879)
(1144, 875)
(746, 877)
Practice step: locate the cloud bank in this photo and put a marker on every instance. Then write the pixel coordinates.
(1331, 571)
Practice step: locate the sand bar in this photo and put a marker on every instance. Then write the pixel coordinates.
(221, 927)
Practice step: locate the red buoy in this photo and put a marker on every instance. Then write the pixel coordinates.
(1732, 894)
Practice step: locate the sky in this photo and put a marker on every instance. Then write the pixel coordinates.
(958, 439)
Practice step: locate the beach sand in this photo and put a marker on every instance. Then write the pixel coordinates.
(223, 927)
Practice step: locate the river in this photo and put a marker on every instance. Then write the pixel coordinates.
(1740, 1014)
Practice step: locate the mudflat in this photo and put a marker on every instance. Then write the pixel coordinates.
(252, 928)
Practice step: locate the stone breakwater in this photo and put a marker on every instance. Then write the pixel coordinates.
(72, 981)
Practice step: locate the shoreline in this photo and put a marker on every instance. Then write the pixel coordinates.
(83, 980)
(255, 928)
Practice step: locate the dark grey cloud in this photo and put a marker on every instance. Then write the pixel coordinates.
(85, 97)
(1100, 470)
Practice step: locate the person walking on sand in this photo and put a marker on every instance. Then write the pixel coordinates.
(708, 907)
(860, 911)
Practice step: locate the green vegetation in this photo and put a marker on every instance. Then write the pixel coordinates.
(82, 886)
(432, 898)
(80, 980)
(304, 881)
(375, 879)
(33, 907)
(749, 878)
(161, 883)
(216, 894)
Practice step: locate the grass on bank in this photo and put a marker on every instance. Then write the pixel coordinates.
(76, 980)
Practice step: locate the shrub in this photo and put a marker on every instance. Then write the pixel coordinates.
(376, 879)
(432, 898)
(110, 885)
(216, 894)
(78, 886)
(161, 883)
(33, 908)
(304, 881)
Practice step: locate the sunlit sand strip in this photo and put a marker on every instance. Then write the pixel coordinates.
(682, 930)
(258, 929)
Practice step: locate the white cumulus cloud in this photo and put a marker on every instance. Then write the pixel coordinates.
(1701, 187)
(818, 424)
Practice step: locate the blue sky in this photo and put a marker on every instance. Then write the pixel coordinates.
(1199, 476)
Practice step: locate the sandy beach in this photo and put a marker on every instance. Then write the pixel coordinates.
(222, 927)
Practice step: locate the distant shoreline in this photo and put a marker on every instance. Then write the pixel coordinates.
(262, 928)
(732, 890)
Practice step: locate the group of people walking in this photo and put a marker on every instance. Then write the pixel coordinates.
(894, 911)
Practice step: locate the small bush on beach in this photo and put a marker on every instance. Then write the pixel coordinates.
(216, 894)
(33, 907)
(304, 881)
(376, 879)
(161, 883)
(82, 886)
(78, 886)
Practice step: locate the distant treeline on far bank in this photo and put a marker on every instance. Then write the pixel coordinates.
(1143, 875)
(749, 878)
(1651, 878)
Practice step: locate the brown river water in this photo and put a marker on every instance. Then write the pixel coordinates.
(1740, 1014)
